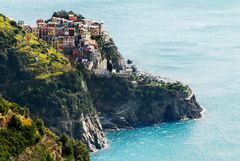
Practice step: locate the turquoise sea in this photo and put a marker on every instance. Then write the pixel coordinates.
(195, 41)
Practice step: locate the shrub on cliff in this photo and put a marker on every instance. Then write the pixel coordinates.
(22, 138)
(65, 14)
(17, 137)
(74, 149)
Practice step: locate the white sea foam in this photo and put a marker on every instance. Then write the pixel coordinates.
(202, 113)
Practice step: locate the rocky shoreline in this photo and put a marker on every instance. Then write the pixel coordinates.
(163, 109)
(143, 104)
(83, 103)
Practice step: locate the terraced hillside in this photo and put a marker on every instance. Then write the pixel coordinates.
(39, 58)
(35, 75)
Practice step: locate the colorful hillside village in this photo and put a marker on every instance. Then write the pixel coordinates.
(75, 37)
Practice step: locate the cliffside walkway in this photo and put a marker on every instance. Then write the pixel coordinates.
(18, 83)
(126, 107)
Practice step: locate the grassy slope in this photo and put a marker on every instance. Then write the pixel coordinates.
(49, 63)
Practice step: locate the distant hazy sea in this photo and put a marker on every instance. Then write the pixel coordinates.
(195, 41)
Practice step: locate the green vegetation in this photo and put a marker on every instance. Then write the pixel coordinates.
(113, 91)
(108, 93)
(19, 131)
(35, 75)
(5, 106)
(25, 139)
(65, 14)
(16, 137)
(47, 157)
(74, 149)
(34, 56)
(169, 86)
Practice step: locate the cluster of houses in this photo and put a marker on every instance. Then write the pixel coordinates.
(75, 37)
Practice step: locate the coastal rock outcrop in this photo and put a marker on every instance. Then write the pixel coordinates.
(69, 98)
(92, 132)
(142, 100)
(86, 128)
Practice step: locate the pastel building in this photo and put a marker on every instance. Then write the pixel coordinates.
(60, 31)
(21, 23)
(40, 23)
(35, 31)
(51, 31)
(68, 41)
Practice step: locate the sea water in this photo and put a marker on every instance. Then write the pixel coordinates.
(194, 41)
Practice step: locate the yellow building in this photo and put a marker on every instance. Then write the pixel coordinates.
(60, 43)
(51, 31)
(57, 43)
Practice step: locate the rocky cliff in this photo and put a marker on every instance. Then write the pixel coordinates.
(68, 98)
(92, 132)
(33, 74)
(141, 100)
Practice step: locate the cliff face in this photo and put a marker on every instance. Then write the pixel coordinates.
(68, 98)
(92, 132)
(33, 74)
(138, 99)
(164, 109)
(126, 103)
(110, 51)
(84, 126)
